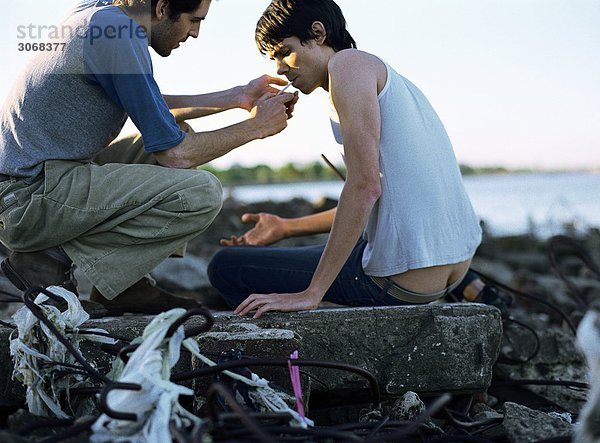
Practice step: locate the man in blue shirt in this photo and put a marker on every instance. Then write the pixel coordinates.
(71, 194)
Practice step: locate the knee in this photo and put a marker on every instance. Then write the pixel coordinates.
(204, 194)
(197, 199)
(223, 276)
(216, 268)
(215, 189)
(225, 270)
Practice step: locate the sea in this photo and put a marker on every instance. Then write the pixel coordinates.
(540, 204)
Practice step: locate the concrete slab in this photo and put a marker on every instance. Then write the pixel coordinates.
(431, 348)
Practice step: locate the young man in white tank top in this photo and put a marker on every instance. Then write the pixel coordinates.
(404, 230)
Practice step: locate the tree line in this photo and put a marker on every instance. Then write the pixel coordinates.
(292, 172)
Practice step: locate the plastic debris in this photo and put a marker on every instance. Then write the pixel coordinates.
(296, 383)
(263, 394)
(156, 404)
(35, 349)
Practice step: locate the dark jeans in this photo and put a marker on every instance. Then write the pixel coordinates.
(238, 271)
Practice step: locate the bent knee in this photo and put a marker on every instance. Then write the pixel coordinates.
(227, 266)
(220, 261)
(215, 189)
(204, 193)
(225, 276)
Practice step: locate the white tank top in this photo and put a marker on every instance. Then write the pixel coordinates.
(424, 216)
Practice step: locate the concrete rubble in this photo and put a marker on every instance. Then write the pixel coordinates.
(525, 425)
(558, 358)
(436, 348)
(463, 349)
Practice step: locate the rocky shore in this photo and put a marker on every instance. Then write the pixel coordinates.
(533, 393)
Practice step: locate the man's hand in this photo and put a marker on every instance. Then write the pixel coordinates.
(257, 88)
(290, 105)
(261, 303)
(270, 114)
(268, 229)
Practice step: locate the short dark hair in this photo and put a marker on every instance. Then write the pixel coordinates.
(176, 7)
(294, 18)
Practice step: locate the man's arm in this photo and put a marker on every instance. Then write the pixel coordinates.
(268, 118)
(353, 86)
(354, 95)
(187, 107)
(270, 228)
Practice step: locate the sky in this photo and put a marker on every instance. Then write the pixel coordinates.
(515, 82)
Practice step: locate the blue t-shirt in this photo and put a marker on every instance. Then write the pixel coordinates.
(70, 103)
(116, 57)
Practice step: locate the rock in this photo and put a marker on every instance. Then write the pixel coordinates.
(481, 411)
(557, 359)
(557, 345)
(494, 268)
(182, 273)
(554, 290)
(409, 407)
(495, 247)
(524, 425)
(428, 349)
(565, 416)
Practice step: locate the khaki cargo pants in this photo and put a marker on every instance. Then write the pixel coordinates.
(116, 220)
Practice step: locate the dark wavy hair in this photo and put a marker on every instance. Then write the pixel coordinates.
(176, 7)
(294, 18)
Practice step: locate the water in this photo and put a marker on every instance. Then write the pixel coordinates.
(542, 203)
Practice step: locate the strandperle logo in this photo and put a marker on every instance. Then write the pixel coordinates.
(55, 33)
(44, 38)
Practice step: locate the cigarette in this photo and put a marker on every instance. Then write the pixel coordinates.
(286, 86)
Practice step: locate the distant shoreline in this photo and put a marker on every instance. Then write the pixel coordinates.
(466, 172)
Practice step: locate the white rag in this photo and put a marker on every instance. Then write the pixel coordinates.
(35, 344)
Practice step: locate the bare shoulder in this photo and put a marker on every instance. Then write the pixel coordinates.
(352, 65)
(354, 59)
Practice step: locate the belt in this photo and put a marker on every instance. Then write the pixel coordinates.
(3, 178)
(405, 295)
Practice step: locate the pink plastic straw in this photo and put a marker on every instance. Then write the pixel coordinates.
(296, 384)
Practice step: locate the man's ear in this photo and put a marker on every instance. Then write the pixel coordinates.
(319, 33)
(161, 11)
